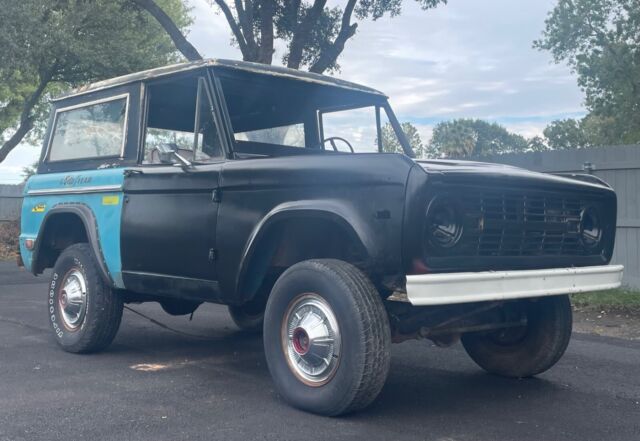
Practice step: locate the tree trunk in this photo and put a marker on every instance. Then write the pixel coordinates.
(176, 35)
(267, 11)
(245, 20)
(302, 32)
(331, 53)
(26, 119)
(235, 28)
(347, 30)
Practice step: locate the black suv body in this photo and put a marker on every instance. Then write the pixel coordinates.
(282, 195)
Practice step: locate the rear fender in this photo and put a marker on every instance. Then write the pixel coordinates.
(84, 213)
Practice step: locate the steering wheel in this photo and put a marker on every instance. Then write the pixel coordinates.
(332, 140)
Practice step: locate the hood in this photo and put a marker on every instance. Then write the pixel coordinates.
(469, 169)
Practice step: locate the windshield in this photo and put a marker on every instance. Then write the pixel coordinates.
(274, 116)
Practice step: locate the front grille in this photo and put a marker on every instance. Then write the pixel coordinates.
(519, 223)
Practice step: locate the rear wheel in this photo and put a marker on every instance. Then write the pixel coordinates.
(326, 337)
(528, 350)
(84, 312)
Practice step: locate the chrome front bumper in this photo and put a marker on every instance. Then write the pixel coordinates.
(443, 289)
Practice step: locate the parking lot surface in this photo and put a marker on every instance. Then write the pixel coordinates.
(205, 380)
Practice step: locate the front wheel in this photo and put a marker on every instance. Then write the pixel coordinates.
(84, 312)
(326, 337)
(526, 350)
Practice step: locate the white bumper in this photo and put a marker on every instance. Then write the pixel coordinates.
(443, 289)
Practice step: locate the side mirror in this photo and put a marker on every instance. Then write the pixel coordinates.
(168, 152)
(165, 153)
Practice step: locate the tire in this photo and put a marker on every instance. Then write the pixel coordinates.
(538, 347)
(335, 301)
(88, 322)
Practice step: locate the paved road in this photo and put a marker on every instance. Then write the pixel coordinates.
(212, 383)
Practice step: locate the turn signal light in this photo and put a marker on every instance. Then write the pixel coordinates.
(29, 244)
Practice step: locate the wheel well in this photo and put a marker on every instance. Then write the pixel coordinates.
(60, 231)
(293, 240)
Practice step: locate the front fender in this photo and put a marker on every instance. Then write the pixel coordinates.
(334, 211)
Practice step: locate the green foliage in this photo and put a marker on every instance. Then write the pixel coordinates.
(590, 131)
(391, 144)
(470, 138)
(29, 171)
(566, 134)
(49, 46)
(599, 40)
(537, 144)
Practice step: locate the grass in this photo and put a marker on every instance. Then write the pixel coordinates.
(621, 299)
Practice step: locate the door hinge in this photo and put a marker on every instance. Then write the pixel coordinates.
(213, 254)
(215, 195)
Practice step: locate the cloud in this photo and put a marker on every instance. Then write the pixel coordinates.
(22, 156)
(467, 59)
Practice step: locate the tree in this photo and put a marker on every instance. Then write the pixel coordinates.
(465, 138)
(313, 33)
(590, 131)
(391, 144)
(566, 134)
(599, 40)
(537, 144)
(48, 46)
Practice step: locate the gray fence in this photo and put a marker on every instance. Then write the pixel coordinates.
(10, 202)
(617, 165)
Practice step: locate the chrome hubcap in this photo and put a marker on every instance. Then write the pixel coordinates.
(311, 339)
(72, 299)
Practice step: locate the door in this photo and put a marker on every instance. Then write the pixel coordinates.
(168, 237)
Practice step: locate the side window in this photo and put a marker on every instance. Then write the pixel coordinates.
(353, 130)
(180, 117)
(90, 131)
(207, 143)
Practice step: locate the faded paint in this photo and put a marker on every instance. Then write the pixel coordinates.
(56, 189)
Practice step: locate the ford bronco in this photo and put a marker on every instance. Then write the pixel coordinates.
(274, 192)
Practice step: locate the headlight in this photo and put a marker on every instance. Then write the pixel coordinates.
(590, 227)
(444, 226)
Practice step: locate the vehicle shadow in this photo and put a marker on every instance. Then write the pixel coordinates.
(424, 381)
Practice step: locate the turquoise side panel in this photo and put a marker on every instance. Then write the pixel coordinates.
(106, 207)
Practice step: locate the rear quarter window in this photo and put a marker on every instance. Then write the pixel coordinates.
(91, 130)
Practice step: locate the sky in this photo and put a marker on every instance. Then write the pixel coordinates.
(467, 59)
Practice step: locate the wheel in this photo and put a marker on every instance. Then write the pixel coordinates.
(250, 316)
(84, 312)
(179, 307)
(326, 337)
(528, 350)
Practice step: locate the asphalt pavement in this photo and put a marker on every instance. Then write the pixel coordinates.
(204, 380)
